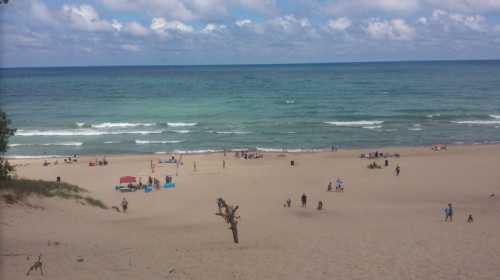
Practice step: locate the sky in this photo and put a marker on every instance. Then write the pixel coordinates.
(199, 32)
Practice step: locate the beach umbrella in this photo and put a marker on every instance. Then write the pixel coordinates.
(127, 179)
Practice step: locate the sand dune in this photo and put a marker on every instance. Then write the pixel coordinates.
(381, 227)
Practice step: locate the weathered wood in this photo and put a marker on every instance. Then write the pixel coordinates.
(229, 214)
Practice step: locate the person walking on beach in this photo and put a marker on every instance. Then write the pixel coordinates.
(303, 199)
(124, 205)
(448, 213)
(58, 179)
(329, 188)
(223, 164)
(398, 170)
(194, 165)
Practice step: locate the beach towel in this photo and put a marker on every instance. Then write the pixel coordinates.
(170, 185)
(146, 189)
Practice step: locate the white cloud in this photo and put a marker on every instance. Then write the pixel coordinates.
(162, 26)
(339, 24)
(243, 22)
(465, 6)
(448, 20)
(117, 25)
(212, 28)
(290, 24)
(136, 29)
(342, 7)
(176, 9)
(396, 29)
(130, 47)
(41, 12)
(85, 18)
(423, 20)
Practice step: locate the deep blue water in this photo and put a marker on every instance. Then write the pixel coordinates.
(147, 109)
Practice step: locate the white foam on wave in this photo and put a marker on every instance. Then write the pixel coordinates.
(81, 124)
(34, 157)
(182, 131)
(48, 144)
(120, 124)
(478, 122)
(416, 127)
(207, 151)
(495, 116)
(372, 127)
(81, 132)
(430, 116)
(179, 124)
(111, 142)
(143, 142)
(232, 132)
(290, 101)
(355, 123)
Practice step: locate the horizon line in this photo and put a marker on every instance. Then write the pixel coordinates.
(253, 64)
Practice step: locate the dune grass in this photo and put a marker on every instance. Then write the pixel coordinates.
(19, 189)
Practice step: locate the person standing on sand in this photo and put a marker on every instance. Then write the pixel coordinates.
(194, 165)
(398, 170)
(223, 164)
(448, 213)
(329, 188)
(303, 198)
(124, 205)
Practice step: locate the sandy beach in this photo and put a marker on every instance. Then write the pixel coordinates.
(381, 227)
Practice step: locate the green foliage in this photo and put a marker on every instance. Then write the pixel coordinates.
(19, 189)
(5, 133)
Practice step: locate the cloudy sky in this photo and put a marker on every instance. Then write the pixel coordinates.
(138, 32)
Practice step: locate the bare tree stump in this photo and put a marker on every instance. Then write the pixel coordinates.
(229, 214)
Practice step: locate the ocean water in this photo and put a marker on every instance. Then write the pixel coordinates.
(160, 109)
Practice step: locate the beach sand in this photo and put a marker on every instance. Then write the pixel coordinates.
(381, 227)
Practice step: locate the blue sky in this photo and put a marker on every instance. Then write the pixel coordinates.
(141, 32)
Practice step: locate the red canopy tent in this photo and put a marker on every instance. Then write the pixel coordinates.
(127, 179)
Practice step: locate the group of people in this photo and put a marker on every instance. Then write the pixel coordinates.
(303, 201)
(97, 162)
(339, 186)
(248, 155)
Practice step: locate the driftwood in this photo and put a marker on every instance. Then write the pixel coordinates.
(37, 265)
(228, 212)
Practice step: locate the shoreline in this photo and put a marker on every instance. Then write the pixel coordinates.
(265, 152)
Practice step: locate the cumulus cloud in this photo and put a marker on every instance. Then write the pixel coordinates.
(290, 24)
(162, 26)
(339, 24)
(172, 8)
(396, 29)
(136, 29)
(465, 6)
(188, 10)
(117, 25)
(459, 21)
(213, 28)
(85, 18)
(353, 6)
(243, 22)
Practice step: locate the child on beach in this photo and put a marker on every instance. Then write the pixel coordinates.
(124, 205)
(339, 185)
(329, 188)
(398, 169)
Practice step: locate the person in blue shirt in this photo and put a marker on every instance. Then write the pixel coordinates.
(449, 213)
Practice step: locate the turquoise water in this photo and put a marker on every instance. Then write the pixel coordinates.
(96, 110)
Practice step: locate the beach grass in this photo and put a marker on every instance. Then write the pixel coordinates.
(19, 189)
